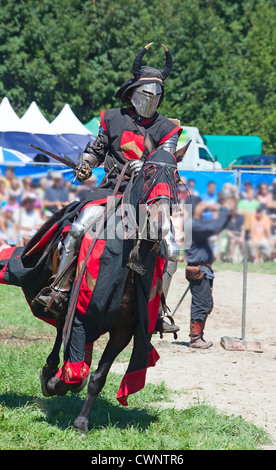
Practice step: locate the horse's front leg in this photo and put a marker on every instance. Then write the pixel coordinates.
(119, 339)
(52, 361)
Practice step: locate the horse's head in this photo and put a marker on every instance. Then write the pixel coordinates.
(160, 178)
(155, 192)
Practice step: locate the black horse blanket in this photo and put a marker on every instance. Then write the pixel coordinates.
(101, 290)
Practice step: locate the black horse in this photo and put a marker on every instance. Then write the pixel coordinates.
(129, 279)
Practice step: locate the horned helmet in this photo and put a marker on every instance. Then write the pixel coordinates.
(145, 90)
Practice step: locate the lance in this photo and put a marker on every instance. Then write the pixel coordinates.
(181, 300)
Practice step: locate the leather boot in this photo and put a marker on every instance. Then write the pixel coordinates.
(164, 327)
(54, 300)
(196, 335)
(55, 297)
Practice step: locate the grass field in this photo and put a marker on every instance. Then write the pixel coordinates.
(31, 422)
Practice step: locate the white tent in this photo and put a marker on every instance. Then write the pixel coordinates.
(34, 121)
(9, 121)
(67, 122)
(68, 137)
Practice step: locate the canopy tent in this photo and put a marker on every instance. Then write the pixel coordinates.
(9, 121)
(35, 122)
(33, 128)
(229, 147)
(10, 157)
(53, 143)
(70, 127)
(93, 125)
(67, 122)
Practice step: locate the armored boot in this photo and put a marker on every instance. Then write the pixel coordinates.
(55, 298)
(196, 335)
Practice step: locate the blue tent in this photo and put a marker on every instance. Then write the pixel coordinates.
(56, 144)
(78, 140)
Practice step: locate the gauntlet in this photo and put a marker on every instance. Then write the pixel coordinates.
(86, 163)
(135, 166)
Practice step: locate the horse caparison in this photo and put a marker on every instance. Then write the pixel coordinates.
(123, 328)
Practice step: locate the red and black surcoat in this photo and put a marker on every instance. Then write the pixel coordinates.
(126, 134)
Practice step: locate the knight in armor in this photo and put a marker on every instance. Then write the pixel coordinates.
(120, 139)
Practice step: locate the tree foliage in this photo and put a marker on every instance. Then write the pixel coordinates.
(80, 52)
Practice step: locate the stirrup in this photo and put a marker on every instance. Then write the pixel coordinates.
(175, 327)
(55, 301)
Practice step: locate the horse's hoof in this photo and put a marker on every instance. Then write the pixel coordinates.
(55, 386)
(81, 424)
(52, 386)
(45, 374)
(77, 388)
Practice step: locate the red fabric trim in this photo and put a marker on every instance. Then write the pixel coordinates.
(44, 240)
(75, 372)
(176, 129)
(151, 155)
(93, 267)
(160, 189)
(50, 321)
(65, 230)
(99, 202)
(6, 253)
(102, 121)
(2, 274)
(135, 381)
(153, 358)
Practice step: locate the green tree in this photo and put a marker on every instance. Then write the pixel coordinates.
(223, 79)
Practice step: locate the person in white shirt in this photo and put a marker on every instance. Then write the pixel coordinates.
(26, 220)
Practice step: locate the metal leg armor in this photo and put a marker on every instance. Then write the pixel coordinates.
(173, 248)
(55, 298)
(173, 253)
(88, 216)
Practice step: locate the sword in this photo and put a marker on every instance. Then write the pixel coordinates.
(66, 160)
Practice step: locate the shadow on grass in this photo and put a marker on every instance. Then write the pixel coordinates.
(62, 411)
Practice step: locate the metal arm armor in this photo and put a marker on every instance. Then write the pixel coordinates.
(98, 149)
(170, 144)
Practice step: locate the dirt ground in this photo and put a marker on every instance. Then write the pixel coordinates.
(234, 382)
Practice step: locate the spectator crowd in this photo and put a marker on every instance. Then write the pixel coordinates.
(26, 204)
(255, 213)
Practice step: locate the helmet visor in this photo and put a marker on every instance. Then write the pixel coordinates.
(145, 99)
